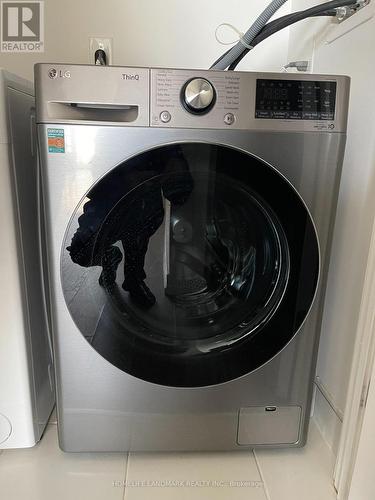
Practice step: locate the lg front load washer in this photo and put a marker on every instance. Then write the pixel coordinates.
(189, 216)
(26, 365)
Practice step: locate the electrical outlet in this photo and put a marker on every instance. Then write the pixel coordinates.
(96, 43)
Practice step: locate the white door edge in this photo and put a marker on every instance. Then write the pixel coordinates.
(360, 377)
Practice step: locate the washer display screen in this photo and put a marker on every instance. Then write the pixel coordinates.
(295, 99)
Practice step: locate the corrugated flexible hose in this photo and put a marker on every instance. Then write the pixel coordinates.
(250, 34)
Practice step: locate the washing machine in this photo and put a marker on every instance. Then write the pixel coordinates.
(26, 363)
(189, 216)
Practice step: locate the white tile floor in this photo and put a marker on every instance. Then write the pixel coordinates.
(45, 472)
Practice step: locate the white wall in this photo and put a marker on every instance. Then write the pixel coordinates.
(345, 49)
(303, 34)
(148, 33)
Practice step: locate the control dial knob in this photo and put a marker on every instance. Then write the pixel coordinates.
(198, 95)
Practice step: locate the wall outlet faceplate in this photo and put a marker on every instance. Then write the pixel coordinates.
(96, 43)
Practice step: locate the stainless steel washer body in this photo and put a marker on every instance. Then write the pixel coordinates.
(225, 213)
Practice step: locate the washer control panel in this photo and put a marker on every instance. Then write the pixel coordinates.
(246, 101)
(187, 98)
(191, 98)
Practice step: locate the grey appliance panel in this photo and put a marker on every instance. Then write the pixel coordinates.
(26, 179)
(109, 93)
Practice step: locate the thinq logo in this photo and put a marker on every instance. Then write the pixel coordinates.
(22, 26)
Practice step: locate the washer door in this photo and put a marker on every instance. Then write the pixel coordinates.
(190, 264)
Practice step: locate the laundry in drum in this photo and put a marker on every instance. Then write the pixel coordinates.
(125, 209)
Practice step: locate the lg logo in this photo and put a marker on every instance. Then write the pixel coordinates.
(22, 27)
(53, 73)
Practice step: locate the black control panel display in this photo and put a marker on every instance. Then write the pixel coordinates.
(295, 100)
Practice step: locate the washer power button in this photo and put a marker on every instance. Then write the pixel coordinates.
(229, 118)
(165, 116)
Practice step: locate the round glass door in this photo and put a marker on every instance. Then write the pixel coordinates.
(190, 264)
